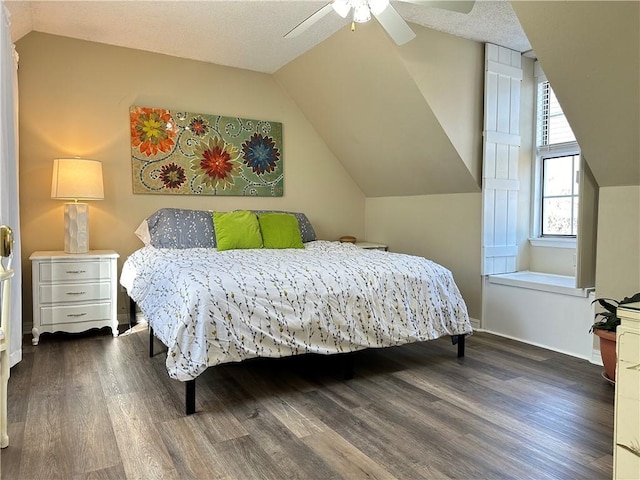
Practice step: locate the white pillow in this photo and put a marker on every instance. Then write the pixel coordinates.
(142, 232)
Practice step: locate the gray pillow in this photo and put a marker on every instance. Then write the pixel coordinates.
(181, 228)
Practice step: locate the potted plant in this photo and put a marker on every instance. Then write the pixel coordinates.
(605, 328)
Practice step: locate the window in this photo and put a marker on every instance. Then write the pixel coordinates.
(553, 127)
(560, 195)
(557, 168)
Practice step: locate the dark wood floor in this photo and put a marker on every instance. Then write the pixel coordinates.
(92, 406)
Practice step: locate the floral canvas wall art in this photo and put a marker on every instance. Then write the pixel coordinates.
(186, 153)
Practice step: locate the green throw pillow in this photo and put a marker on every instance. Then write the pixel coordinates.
(280, 230)
(239, 229)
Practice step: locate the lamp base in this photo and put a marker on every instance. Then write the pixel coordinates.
(76, 227)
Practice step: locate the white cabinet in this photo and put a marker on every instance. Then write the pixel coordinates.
(74, 292)
(626, 437)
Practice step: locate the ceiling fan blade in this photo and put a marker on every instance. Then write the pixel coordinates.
(395, 25)
(310, 20)
(453, 5)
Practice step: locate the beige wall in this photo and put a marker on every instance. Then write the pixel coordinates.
(559, 261)
(590, 53)
(74, 100)
(618, 255)
(443, 228)
(362, 96)
(449, 71)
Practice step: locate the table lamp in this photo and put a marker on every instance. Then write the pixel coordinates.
(76, 179)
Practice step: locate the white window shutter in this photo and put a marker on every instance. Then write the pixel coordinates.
(587, 228)
(501, 149)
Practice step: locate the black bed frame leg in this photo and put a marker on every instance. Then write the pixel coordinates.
(348, 363)
(190, 396)
(132, 312)
(461, 345)
(150, 341)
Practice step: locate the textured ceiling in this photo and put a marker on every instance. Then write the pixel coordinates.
(243, 34)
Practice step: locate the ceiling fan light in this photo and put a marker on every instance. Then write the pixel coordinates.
(341, 7)
(361, 13)
(378, 6)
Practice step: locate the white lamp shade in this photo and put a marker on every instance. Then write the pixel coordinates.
(77, 179)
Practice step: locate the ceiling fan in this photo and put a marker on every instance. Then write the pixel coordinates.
(388, 16)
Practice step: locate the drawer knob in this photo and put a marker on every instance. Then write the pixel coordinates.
(76, 314)
(76, 293)
(76, 271)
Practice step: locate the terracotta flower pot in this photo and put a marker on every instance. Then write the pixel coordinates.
(608, 352)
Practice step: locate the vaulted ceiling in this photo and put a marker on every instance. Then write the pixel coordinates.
(239, 33)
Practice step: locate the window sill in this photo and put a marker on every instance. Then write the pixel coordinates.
(553, 242)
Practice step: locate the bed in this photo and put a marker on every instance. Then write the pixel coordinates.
(211, 307)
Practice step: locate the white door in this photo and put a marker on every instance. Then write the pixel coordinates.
(9, 209)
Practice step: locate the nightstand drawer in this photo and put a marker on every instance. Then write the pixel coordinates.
(73, 271)
(628, 369)
(74, 314)
(71, 293)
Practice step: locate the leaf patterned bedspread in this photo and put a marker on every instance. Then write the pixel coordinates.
(213, 307)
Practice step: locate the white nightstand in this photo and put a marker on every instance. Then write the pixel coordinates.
(73, 292)
(372, 246)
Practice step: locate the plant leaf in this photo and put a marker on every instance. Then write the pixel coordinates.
(634, 298)
(605, 303)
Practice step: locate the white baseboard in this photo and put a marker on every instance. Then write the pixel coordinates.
(475, 323)
(536, 344)
(596, 358)
(15, 357)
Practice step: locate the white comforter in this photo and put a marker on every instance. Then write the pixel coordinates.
(213, 307)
